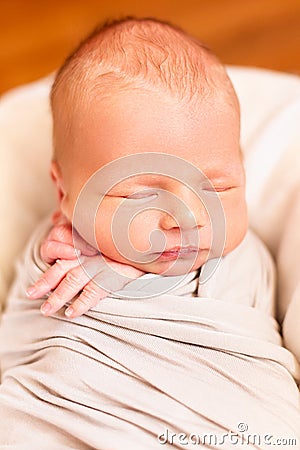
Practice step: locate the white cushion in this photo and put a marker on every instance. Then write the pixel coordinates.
(270, 136)
(25, 153)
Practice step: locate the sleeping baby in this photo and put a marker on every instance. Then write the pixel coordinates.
(183, 348)
(196, 106)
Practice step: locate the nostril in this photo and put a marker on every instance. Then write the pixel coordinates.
(181, 219)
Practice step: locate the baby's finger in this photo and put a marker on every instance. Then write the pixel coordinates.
(53, 250)
(64, 234)
(90, 296)
(61, 233)
(51, 278)
(98, 288)
(68, 288)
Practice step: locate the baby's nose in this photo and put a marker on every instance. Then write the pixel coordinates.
(185, 210)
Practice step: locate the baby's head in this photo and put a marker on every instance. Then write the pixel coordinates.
(140, 86)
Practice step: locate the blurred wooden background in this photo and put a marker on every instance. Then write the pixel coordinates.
(36, 36)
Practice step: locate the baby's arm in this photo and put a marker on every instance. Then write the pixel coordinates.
(66, 277)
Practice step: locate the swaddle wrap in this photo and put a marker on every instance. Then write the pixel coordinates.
(168, 371)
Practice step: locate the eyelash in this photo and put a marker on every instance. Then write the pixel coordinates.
(150, 195)
(218, 189)
(141, 195)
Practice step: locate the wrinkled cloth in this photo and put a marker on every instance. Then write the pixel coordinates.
(202, 363)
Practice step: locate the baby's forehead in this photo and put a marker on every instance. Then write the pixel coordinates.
(145, 122)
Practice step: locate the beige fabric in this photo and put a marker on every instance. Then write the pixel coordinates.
(125, 372)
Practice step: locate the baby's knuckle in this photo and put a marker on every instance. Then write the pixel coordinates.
(60, 268)
(71, 280)
(90, 291)
(54, 299)
(84, 301)
(43, 283)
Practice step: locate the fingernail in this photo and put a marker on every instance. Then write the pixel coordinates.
(69, 311)
(31, 291)
(46, 308)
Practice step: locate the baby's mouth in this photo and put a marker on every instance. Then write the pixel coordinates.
(178, 252)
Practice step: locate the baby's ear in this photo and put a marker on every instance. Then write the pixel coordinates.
(57, 180)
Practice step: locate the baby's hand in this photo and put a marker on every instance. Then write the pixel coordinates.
(67, 276)
(59, 242)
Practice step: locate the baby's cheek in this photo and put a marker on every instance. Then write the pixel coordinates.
(140, 230)
(118, 235)
(67, 207)
(103, 231)
(236, 221)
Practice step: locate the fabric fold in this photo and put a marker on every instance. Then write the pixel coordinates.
(131, 372)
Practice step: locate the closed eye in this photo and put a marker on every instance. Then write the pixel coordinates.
(221, 189)
(211, 188)
(142, 195)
